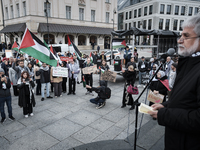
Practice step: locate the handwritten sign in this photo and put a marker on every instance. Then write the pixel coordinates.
(108, 76)
(66, 58)
(155, 98)
(60, 72)
(88, 70)
(8, 53)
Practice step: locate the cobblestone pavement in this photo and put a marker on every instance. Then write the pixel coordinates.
(72, 122)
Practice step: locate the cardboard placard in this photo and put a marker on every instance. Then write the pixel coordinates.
(60, 72)
(88, 70)
(66, 58)
(108, 76)
(155, 98)
(8, 53)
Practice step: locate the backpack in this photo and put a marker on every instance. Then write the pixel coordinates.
(107, 93)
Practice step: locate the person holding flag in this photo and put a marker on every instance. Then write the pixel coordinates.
(88, 77)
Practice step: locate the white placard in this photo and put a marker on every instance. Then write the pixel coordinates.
(60, 72)
(8, 53)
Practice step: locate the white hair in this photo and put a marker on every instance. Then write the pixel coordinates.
(193, 21)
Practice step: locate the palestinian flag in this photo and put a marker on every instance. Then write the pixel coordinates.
(15, 47)
(73, 47)
(91, 58)
(118, 43)
(84, 83)
(38, 62)
(116, 62)
(34, 47)
(102, 70)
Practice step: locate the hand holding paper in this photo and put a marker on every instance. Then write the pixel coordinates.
(143, 108)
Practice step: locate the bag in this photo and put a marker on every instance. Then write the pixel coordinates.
(132, 90)
(107, 93)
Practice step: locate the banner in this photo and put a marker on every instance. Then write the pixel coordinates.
(88, 70)
(8, 53)
(155, 98)
(108, 76)
(60, 72)
(66, 58)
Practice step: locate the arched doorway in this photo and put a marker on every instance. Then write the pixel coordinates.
(71, 38)
(107, 42)
(51, 38)
(81, 40)
(93, 41)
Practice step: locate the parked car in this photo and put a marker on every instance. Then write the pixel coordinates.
(116, 54)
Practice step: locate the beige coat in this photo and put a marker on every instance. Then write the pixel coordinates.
(36, 67)
(56, 79)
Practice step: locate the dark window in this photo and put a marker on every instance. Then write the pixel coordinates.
(134, 24)
(130, 14)
(175, 24)
(183, 10)
(120, 21)
(161, 24)
(167, 24)
(139, 12)
(149, 24)
(145, 11)
(126, 26)
(138, 24)
(196, 10)
(176, 10)
(150, 9)
(168, 9)
(126, 15)
(129, 25)
(190, 11)
(135, 13)
(144, 24)
(180, 28)
(162, 9)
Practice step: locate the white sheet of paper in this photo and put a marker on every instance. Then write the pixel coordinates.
(143, 108)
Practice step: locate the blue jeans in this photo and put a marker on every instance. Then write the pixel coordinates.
(96, 100)
(8, 103)
(47, 88)
(140, 76)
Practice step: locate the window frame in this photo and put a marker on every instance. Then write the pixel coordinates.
(162, 6)
(81, 14)
(68, 12)
(93, 15)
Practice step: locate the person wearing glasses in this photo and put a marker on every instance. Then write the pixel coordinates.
(181, 113)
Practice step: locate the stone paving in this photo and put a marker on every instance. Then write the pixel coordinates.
(71, 121)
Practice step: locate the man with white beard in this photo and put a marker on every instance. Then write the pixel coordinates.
(181, 114)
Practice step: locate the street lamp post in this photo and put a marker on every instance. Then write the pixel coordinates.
(3, 19)
(46, 11)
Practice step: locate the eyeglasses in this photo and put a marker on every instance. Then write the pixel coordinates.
(186, 38)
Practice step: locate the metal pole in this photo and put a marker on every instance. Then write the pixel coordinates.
(47, 2)
(3, 19)
(133, 44)
(158, 47)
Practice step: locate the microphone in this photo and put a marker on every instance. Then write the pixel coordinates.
(170, 52)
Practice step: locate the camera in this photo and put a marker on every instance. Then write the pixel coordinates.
(3, 76)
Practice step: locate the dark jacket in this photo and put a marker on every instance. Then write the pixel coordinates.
(181, 114)
(87, 65)
(130, 77)
(4, 67)
(44, 75)
(22, 101)
(128, 52)
(101, 57)
(100, 90)
(140, 65)
(131, 63)
(5, 92)
(95, 57)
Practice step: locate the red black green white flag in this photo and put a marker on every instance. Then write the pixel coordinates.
(34, 47)
(118, 43)
(15, 46)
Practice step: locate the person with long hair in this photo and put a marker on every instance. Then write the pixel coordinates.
(26, 95)
(102, 68)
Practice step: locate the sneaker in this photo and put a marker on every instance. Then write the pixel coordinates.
(31, 114)
(60, 95)
(49, 97)
(123, 106)
(56, 96)
(42, 99)
(144, 86)
(3, 120)
(138, 85)
(101, 105)
(87, 93)
(26, 116)
(91, 93)
(68, 93)
(11, 118)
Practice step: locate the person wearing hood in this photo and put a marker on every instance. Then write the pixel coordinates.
(44, 73)
(26, 94)
(100, 99)
(160, 85)
(5, 96)
(129, 76)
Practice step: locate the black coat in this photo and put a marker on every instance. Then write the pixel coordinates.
(181, 114)
(5, 92)
(142, 69)
(22, 96)
(43, 78)
(130, 77)
(4, 67)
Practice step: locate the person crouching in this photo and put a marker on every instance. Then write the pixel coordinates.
(26, 95)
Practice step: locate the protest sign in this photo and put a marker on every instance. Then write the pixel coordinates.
(66, 58)
(155, 98)
(109, 76)
(60, 72)
(8, 53)
(88, 70)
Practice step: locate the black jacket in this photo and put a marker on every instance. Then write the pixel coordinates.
(181, 114)
(5, 92)
(142, 69)
(130, 77)
(103, 57)
(4, 67)
(95, 57)
(100, 90)
(131, 63)
(22, 102)
(44, 75)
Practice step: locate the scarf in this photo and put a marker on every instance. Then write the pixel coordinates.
(21, 69)
(44, 68)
